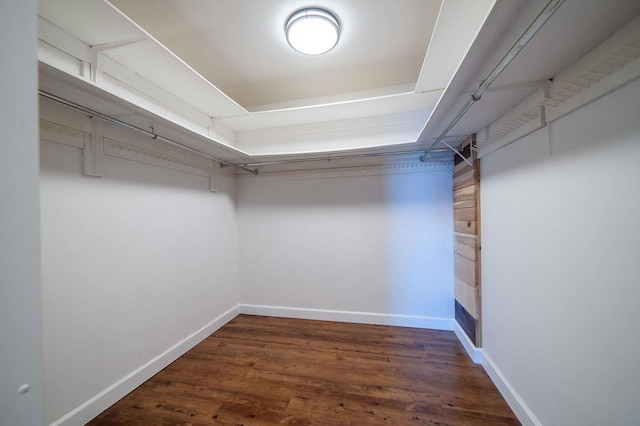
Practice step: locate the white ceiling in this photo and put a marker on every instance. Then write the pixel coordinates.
(239, 46)
(223, 72)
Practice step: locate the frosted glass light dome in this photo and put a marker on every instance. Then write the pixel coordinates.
(312, 31)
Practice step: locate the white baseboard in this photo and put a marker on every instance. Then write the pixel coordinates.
(521, 410)
(109, 396)
(479, 356)
(474, 353)
(348, 316)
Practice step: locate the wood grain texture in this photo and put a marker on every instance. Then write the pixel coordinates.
(464, 194)
(466, 216)
(461, 168)
(265, 371)
(464, 204)
(465, 227)
(478, 165)
(465, 294)
(465, 247)
(459, 178)
(471, 181)
(465, 269)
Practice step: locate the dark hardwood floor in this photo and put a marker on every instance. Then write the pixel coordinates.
(264, 371)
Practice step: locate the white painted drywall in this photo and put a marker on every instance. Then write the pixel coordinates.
(378, 244)
(20, 288)
(561, 264)
(133, 263)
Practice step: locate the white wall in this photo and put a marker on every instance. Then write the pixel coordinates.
(20, 289)
(133, 263)
(561, 265)
(379, 244)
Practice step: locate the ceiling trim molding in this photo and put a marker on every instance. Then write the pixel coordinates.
(350, 171)
(130, 64)
(364, 132)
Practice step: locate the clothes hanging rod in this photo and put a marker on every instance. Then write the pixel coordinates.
(535, 26)
(336, 157)
(152, 135)
(242, 166)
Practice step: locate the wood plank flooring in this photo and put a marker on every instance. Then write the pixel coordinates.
(263, 371)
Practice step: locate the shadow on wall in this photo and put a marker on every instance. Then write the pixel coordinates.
(555, 142)
(370, 244)
(419, 256)
(64, 160)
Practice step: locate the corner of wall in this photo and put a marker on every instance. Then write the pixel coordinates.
(508, 392)
(474, 353)
(479, 356)
(112, 394)
(347, 316)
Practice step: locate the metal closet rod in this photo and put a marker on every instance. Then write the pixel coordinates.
(337, 157)
(535, 26)
(242, 166)
(139, 130)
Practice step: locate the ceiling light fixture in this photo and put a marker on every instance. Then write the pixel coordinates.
(312, 30)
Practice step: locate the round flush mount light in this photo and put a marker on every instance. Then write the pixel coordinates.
(312, 30)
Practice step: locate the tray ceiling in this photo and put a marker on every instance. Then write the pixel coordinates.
(222, 72)
(239, 46)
